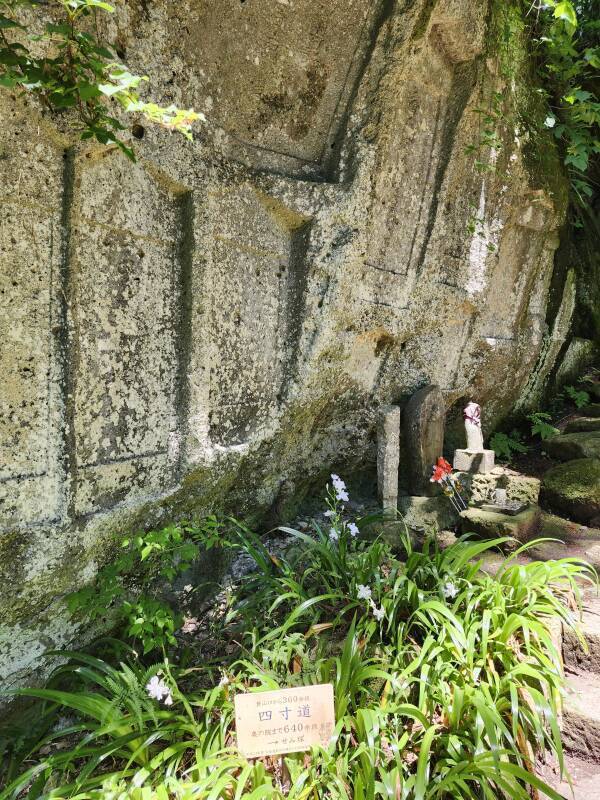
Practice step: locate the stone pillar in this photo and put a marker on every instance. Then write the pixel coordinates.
(423, 426)
(388, 456)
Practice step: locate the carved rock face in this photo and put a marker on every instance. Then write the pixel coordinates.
(213, 325)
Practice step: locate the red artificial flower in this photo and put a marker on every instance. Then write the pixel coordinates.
(444, 466)
(438, 475)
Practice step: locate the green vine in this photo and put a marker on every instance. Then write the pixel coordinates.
(566, 36)
(69, 69)
(489, 139)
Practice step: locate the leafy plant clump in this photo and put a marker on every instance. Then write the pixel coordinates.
(128, 589)
(68, 68)
(540, 425)
(567, 36)
(580, 397)
(505, 445)
(446, 681)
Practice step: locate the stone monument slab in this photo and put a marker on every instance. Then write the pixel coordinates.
(423, 437)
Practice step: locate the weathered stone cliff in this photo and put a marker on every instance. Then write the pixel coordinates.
(216, 324)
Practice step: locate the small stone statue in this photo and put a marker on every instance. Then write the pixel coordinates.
(474, 458)
(472, 417)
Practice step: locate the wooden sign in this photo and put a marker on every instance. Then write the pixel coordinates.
(285, 721)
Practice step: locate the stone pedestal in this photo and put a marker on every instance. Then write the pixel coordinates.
(423, 438)
(470, 461)
(388, 457)
(481, 488)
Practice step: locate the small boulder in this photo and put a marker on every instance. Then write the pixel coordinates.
(568, 446)
(430, 513)
(573, 489)
(583, 425)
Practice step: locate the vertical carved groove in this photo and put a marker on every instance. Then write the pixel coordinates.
(296, 300)
(64, 336)
(183, 333)
(463, 82)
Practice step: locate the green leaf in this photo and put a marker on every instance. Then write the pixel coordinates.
(565, 11)
(99, 4)
(109, 89)
(578, 160)
(422, 775)
(592, 56)
(8, 81)
(9, 58)
(102, 51)
(63, 30)
(7, 22)
(87, 91)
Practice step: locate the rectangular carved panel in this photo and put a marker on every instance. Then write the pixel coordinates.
(256, 282)
(30, 262)
(286, 86)
(125, 297)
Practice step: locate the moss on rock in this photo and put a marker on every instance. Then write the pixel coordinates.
(573, 489)
(574, 446)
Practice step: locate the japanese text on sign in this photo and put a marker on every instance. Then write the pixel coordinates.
(284, 721)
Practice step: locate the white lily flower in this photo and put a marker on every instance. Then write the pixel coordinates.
(364, 592)
(449, 590)
(157, 688)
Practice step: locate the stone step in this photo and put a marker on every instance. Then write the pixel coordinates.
(582, 424)
(569, 446)
(574, 656)
(575, 541)
(585, 777)
(581, 712)
(491, 524)
(592, 410)
(581, 715)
